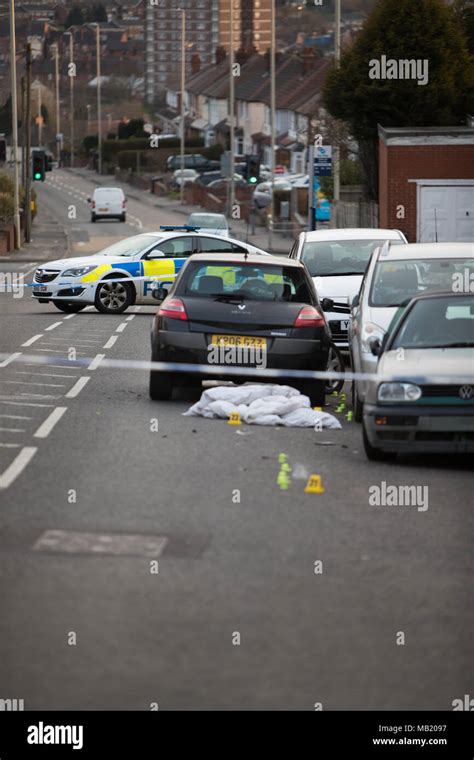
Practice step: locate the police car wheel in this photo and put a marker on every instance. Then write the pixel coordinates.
(113, 297)
(69, 306)
(161, 386)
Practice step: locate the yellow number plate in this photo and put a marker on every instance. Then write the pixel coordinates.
(239, 340)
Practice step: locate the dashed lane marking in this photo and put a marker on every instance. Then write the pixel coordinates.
(96, 361)
(77, 387)
(53, 326)
(111, 341)
(47, 426)
(32, 340)
(10, 359)
(121, 327)
(15, 469)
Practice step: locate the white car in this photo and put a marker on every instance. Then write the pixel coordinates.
(337, 260)
(124, 273)
(182, 176)
(216, 224)
(108, 203)
(395, 274)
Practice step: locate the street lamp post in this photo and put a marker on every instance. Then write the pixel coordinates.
(183, 79)
(16, 201)
(71, 93)
(99, 104)
(58, 117)
(272, 119)
(231, 111)
(337, 58)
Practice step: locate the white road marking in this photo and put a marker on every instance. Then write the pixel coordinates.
(69, 316)
(11, 430)
(53, 326)
(77, 387)
(25, 382)
(42, 374)
(15, 469)
(47, 364)
(57, 351)
(96, 361)
(32, 340)
(23, 403)
(15, 417)
(10, 359)
(10, 445)
(46, 427)
(121, 327)
(129, 319)
(111, 341)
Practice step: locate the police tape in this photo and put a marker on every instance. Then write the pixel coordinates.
(164, 278)
(220, 371)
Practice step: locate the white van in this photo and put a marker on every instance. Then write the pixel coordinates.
(108, 202)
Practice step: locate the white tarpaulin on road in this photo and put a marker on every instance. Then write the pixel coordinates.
(261, 404)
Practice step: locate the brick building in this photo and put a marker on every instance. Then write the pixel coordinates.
(426, 182)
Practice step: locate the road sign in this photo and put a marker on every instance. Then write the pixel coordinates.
(323, 161)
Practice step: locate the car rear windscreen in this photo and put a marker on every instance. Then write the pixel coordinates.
(245, 282)
(395, 281)
(325, 258)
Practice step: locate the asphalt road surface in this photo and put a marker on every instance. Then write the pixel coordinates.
(97, 482)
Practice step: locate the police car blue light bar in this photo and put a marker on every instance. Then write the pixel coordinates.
(178, 228)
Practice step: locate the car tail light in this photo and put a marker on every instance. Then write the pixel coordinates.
(309, 317)
(173, 308)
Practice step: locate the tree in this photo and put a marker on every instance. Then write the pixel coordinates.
(97, 12)
(75, 17)
(465, 12)
(133, 128)
(401, 29)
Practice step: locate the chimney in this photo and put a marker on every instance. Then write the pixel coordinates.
(220, 54)
(307, 58)
(195, 63)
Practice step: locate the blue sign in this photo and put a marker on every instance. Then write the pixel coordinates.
(323, 161)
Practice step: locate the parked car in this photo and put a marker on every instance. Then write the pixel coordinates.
(108, 203)
(123, 274)
(336, 260)
(397, 273)
(423, 398)
(268, 302)
(214, 223)
(192, 161)
(262, 196)
(183, 177)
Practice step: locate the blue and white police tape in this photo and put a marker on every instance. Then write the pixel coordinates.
(220, 371)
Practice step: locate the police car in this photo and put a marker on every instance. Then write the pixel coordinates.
(126, 272)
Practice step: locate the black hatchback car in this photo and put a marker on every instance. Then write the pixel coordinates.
(240, 310)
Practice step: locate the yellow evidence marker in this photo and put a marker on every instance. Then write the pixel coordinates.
(234, 419)
(314, 485)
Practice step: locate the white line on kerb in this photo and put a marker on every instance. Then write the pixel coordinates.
(53, 326)
(32, 340)
(50, 421)
(111, 341)
(96, 361)
(15, 469)
(10, 359)
(77, 387)
(121, 327)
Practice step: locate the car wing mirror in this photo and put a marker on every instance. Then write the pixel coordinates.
(159, 293)
(355, 300)
(376, 346)
(155, 255)
(327, 304)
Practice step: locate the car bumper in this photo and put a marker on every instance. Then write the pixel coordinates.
(426, 429)
(339, 325)
(63, 289)
(283, 353)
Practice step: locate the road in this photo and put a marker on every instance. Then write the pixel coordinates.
(84, 451)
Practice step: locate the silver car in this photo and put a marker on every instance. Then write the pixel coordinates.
(395, 274)
(423, 398)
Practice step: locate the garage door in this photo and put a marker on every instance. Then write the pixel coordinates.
(449, 209)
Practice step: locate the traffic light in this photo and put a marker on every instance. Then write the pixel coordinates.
(39, 165)
(3, 150)
(252, 169)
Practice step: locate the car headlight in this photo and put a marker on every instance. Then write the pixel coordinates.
(368, 333)
(398, 392)
(78, 271)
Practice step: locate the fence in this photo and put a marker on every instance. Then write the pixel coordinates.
(361, 214)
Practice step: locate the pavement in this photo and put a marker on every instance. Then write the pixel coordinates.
(261, 598)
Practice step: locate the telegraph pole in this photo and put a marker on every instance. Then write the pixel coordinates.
(273, 118)
(16, 200)
(99, 104)
(72, 74)
(337, 58)
(182, 117)
(58, 116)
(231, 110)
(28, 146)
